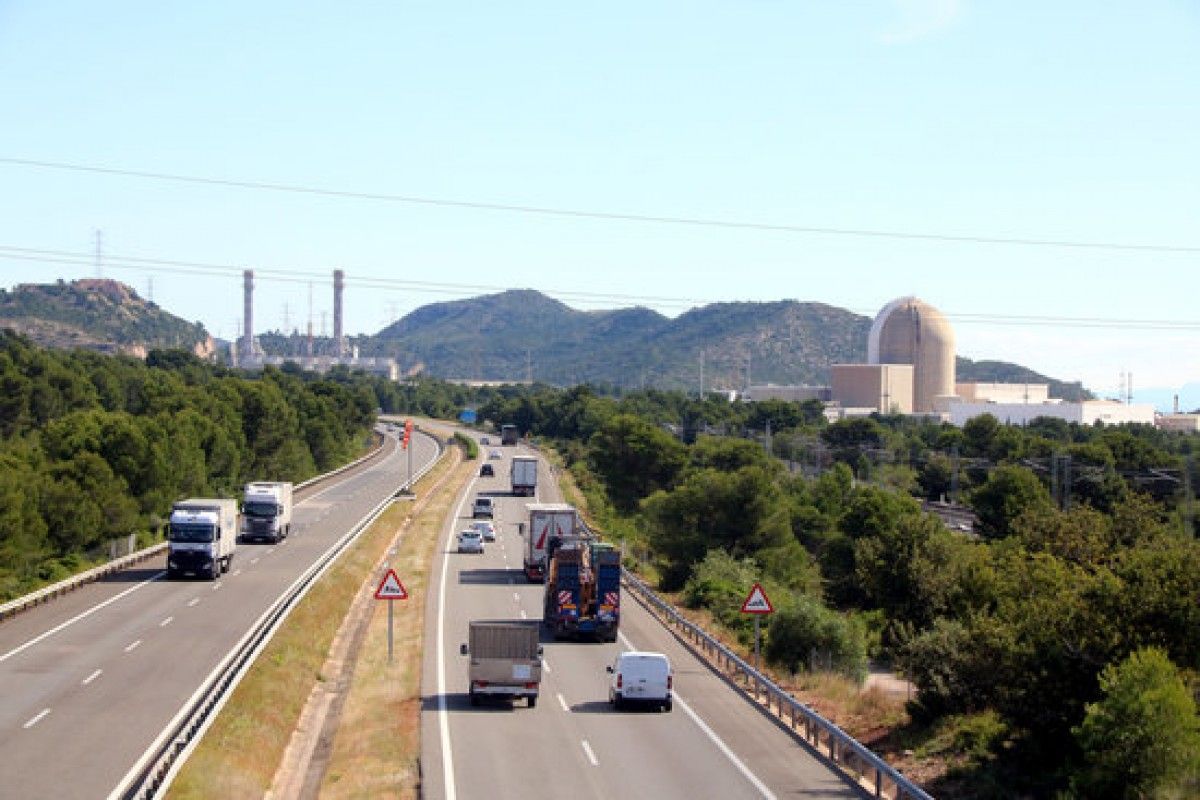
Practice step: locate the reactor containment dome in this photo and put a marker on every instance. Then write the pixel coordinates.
(910, 331)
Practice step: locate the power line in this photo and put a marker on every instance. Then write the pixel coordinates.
(289, 275)
(602, 215)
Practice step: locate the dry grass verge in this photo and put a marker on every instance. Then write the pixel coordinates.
(240, 753)
(377, 746)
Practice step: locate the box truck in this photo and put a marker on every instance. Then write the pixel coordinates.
(201, 537)
(524, 476)
(549, 525)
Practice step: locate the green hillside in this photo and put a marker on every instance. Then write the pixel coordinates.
(97, 314)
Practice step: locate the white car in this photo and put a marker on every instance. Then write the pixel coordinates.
(641, 678)
(486, 528)
(470, 541)
(495, 454)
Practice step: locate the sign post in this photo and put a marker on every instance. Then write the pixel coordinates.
(390, 588)
(756, 603)
(408, 426)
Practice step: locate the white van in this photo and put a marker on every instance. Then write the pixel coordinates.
(641, 678)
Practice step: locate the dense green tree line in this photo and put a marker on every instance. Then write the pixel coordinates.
(95, 447)
(1085, 559)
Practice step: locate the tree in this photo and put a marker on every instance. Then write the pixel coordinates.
(634, 458)
(1143, 736)
(1008, 492)
(808, 634)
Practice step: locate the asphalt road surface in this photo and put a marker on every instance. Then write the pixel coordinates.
(572, 744)
(88, 681)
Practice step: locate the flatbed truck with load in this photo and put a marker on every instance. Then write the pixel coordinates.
(506, 660)
(201, 537)
(583, 590)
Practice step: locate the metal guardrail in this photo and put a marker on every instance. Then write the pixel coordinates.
(152, 775)
(47, 593)
(843, 751)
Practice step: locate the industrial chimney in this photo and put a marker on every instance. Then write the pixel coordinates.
(339, 342)
(248, 314)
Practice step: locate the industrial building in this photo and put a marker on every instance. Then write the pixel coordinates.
(1085, 412)
(883, 387)
(1183, 423)
(792, 394)
(248, 354)
(910, 331)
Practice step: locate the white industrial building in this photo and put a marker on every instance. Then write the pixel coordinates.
(1003, 392)
(1183, 423)
(1085, 412)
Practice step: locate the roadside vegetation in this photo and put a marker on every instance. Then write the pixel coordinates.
(1084, 561)
(95, 448)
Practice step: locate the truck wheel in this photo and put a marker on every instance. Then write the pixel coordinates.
(532, 701)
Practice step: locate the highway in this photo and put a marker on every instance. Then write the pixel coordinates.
(572, 744)
(91, 679)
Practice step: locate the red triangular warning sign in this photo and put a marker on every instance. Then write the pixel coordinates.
(757, 602)
(390, 588)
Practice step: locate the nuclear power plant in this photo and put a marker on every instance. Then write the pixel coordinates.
(910, 369)
(910, 331)
(248, 354)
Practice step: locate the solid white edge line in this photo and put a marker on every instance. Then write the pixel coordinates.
(545, 665)
(91, 677)
(563, 702)
(78, 617)
(36, 719)
(443, 717)
(712, 735)
(587, 749)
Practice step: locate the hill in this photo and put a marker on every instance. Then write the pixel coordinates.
(97, 314)
(519, 334)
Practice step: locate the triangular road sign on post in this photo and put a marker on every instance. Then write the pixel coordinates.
(757, 602)
(390, 588)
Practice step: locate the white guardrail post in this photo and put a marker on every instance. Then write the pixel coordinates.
(844, 752)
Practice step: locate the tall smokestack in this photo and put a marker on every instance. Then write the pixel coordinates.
(248, 315)
(339, 343)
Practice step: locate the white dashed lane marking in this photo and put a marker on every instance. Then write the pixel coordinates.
(36, 719)
(129, 648)
(587, 749)
(166, 622)
(91, 677)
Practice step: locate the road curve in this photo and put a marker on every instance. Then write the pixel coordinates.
(714, 743)
(92, 678)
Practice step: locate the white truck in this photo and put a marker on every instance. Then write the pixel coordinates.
(267, 511)
(506, 659)
(550, 524)
(524, 476)
(201, 537)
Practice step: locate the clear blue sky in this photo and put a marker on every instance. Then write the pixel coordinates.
(1065, 121)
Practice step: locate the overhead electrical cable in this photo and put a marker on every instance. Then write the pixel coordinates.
(462, 290)
(602, 215)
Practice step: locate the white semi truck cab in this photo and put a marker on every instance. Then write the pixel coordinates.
(267, 511)
(201, 537)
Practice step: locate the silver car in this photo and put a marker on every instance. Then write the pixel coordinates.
(470, 541)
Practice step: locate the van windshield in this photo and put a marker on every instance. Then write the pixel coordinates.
(186, 532)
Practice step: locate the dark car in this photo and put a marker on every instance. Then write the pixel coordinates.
(486, 471)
